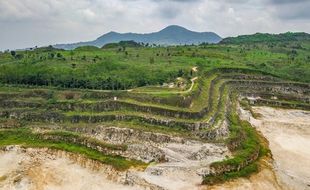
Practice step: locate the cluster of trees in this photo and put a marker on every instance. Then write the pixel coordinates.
(262, 37)
(107, 77)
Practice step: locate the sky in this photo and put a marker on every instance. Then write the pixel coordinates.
(29, 23)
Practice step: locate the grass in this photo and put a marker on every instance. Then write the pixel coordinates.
(245, 172)
(111, 69)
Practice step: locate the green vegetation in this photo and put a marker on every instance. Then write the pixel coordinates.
(259, 38)
(185, 91)
(131, 66)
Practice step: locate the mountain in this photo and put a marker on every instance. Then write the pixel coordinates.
(265, 37)
(171, 35)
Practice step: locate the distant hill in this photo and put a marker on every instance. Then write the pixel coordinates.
(265, 37)
(171, 35)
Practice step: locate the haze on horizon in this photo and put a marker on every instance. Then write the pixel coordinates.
(27, 23)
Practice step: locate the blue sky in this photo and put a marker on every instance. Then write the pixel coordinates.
(26, 23)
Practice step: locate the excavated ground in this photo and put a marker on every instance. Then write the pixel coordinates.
(42, 169)
(288, 133)
(177, 161)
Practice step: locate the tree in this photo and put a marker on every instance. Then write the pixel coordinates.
(59, 55)
(51, 55)
(180, 73)
(13, 53)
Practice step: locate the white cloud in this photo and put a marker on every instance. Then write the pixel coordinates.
(26, 23)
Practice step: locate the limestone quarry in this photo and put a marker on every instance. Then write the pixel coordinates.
(232, 129)
(287, 132)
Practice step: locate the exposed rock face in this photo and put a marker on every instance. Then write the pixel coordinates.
(205, 152)
(145, 152)
(218, 132)
(145, 146)
(38, 169)
(126, 135)
(182, 163)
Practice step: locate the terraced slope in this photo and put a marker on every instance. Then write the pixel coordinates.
(68, 119)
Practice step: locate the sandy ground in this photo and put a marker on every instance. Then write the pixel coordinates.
(38, 170)
(288, 133)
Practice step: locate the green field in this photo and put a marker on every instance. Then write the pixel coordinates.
(121, 67)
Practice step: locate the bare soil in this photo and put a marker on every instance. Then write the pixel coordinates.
(33, 169)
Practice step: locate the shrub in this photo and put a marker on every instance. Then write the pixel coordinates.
(69, 95)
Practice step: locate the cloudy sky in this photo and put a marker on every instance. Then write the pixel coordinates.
(26, 23)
